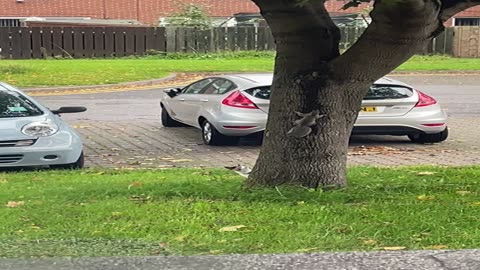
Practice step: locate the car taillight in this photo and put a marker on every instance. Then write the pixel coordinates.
(425, 100)
(237, 99)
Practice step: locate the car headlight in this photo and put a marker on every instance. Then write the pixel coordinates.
(42, 129)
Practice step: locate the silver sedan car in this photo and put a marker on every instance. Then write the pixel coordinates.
(32, 135)
(228, 107)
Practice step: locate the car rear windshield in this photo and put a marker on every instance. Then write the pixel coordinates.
(13, 104)
(260, 92)
(375, 92)
(388, 92)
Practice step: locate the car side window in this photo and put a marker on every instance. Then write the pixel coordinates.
(195, 88)
(219, 87)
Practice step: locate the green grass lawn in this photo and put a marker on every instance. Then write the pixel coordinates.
(35, 73)
(187, 211)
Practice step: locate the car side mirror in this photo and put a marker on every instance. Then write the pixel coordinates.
(173, 92)
(69, 110)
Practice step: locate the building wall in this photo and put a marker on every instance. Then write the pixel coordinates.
(148, 11)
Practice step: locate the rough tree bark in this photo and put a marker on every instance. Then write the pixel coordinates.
(310, 74)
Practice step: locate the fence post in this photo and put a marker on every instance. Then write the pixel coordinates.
(170, 34)
(5, 43)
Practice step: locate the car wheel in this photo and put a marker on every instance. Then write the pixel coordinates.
(167, 120)
(429, 138)
(80, 163)
(211, 136)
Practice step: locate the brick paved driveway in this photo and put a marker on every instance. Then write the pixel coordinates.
(147, 144)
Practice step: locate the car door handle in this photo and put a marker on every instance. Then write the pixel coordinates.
(181, 99)
(204, 100)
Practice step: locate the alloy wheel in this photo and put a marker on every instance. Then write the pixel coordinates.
(207, 132)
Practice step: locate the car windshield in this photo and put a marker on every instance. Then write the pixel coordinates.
(13, 104)
(388, 92)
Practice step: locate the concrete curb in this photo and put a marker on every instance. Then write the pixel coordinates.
(418, 260)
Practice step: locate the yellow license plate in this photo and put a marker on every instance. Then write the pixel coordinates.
(369, 109)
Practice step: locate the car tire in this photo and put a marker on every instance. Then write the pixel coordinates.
(211, 136)
(429, 138)
(79, 164)
(167, 120)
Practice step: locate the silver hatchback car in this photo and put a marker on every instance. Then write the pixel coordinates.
(228, 107)
(32, 135)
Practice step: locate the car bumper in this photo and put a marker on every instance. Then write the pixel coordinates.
(61, 148)
(239, 122)
(417, 121)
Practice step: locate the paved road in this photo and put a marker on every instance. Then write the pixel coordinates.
(413, 260)
(122, 130)
(458, 94)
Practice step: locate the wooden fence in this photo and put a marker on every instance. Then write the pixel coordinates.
(219, 39)
(101, 42)
(467, 41)
(88, 42)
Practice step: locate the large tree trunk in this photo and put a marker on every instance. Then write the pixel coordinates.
(311, 75)
(304, 82)
(320, 158)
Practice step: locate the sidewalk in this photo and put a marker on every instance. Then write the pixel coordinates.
(414, 260)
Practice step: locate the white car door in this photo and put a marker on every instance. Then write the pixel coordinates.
(184, 104)
(208, 101)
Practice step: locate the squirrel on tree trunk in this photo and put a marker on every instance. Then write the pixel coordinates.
(303, 126)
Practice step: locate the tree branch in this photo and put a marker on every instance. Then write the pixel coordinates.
(399, 29)
(452, 7)
(300, 26)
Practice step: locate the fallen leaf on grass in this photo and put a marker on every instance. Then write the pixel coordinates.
(303, 250)
(370, 242)
(463, 192)
(426, 197)
(394, 248)
(232, 228)
(475, 204)
(425, 173)
(3, 181)
(180, 238)
(116, 215)
(140, 199)
(15, 204)
(436, 247)
(135, 184)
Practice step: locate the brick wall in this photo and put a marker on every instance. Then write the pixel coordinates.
(145, 11)
(149, 11)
